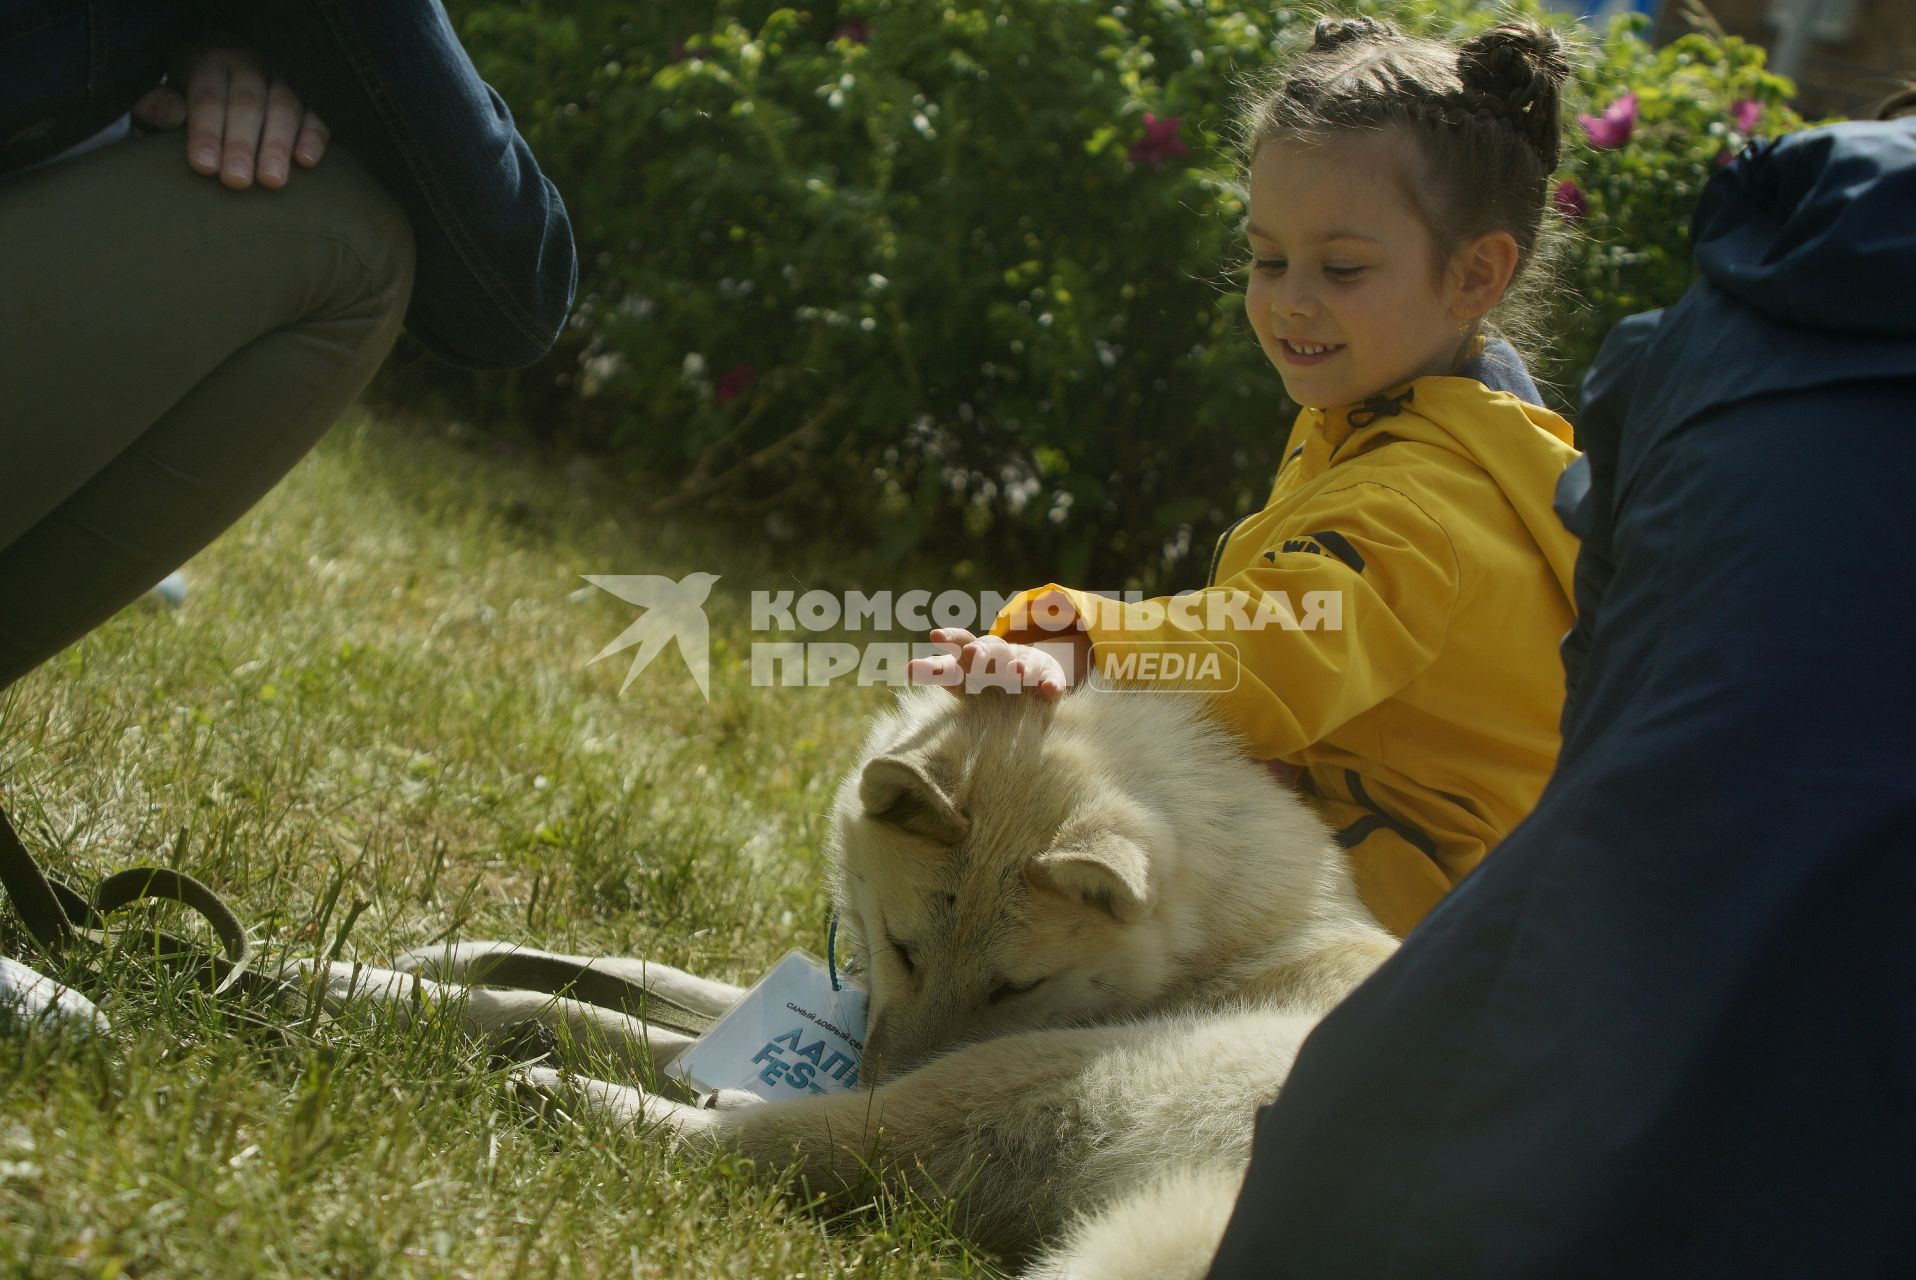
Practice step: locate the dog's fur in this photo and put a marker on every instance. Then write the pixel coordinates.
(1095, 936)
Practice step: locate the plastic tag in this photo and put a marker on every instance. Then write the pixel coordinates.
(791, 1035)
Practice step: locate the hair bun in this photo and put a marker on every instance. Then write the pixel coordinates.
(1517, 70)
(1897, 105)
(1333, 33)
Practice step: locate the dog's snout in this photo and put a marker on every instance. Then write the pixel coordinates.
(871, 1067)
(888, 1053)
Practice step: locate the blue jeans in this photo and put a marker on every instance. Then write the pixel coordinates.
(496, 266)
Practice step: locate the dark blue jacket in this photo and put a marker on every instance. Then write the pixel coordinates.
(496, 266)
(1669, 1028)
(1804, 286)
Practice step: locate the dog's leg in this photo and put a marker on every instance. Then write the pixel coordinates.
(1319, 981)
(1029, 1131)
(621, 1105)
(1168, 1230)
(1001, 1135)
(457, 962)
(490, 1015)
(600, 1099)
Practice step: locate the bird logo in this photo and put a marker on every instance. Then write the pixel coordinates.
(674, 613)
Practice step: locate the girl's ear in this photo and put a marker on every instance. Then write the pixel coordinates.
(1481, 272)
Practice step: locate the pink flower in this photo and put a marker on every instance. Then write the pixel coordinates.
(1159, 143)
(1723, 157)
(1745, 114)
(858, 31)
(1613, 128)
(1570, 200)
(734, 382)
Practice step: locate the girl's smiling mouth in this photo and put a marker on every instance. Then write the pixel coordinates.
(1308, 352)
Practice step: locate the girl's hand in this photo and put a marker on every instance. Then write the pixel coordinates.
(978, 662)
(241, 122)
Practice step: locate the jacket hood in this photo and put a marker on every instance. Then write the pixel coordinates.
(1523, 447)
(1818, 229)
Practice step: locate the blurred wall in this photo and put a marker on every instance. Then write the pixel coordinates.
(1845, 55)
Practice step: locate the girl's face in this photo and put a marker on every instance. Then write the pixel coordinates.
(1346, 293)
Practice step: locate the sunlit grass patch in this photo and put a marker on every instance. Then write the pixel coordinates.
(372, 726)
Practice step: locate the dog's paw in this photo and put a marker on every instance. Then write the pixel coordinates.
(341, 983)
(554, 1095)
(730, 1100)
(541, 1095)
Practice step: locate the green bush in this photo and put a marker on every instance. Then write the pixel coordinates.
(1696, 101)
(913, 274)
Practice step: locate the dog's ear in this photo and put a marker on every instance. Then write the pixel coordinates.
(1103, 868)
(896, 790)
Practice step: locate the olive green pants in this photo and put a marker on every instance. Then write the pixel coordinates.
(168, 349)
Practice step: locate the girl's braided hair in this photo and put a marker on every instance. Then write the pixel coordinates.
(1485, 118)
(1899, 104)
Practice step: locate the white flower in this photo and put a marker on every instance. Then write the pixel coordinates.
(599, 370)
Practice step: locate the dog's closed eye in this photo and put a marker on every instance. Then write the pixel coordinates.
(903, 952)
(1006, 990)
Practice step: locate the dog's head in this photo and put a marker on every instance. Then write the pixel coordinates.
(997, 875)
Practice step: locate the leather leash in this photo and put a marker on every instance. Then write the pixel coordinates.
(59, 918)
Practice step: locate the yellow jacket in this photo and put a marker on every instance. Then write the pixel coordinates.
(1424, 728)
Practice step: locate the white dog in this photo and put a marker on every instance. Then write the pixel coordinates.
(1094, 937)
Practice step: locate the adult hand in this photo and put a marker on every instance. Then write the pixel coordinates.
(241, 122)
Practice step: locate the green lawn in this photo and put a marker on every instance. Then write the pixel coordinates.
(378, 684)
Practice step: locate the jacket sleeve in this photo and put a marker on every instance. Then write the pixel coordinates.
(1341, 608)
(496, 264)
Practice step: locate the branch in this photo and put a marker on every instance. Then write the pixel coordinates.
(693, 490)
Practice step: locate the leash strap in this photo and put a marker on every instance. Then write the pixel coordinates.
(150, 884)
(831, 951)
(57, 917)
(49, 914)
(528, 972)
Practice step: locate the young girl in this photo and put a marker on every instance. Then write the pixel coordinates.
(1397, 189)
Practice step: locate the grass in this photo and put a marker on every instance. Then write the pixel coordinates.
(376, 698)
